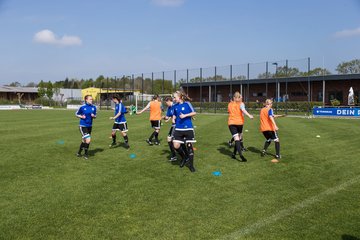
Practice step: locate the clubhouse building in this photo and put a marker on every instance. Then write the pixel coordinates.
(312, 88)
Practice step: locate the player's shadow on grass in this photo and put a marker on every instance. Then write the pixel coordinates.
(225, 150)
(119, 145)
(348, 237)
(254, 150)
(167, 153)
(258, 151)
(92, 152)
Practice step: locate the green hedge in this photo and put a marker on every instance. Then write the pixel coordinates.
(8, 102)
(44, 101)
(74, 102)
(253, 106)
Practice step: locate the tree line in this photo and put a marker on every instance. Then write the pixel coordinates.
(165, 86)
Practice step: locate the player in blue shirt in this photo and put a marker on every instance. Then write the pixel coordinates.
(86, 113)
(184, 135)
(120, 123)
(167, 117)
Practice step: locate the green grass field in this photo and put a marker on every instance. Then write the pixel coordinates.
(48, 193)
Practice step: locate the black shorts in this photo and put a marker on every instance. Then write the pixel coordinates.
(85, 132)
(270, 135)
(236, 129)
(155, 124)
(184, 136)
(171, 131)
(120, 127)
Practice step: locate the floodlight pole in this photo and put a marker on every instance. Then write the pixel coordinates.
(200, 90)
(142, 90)
(266, 76)
(174, 80)
(163, 82)
(231, 76)
(216, 99)
(115, 84)
(107, 93)
(277, 89)
(309, 88)
(133, 85)
(152, 83)
(187, 81)
(248, 84)
(127, 77)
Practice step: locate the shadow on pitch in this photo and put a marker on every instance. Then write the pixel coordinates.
(254, 150)
(226, 144)
(348, 237)
(258, 151)
(167, 153)
(228, 152)
(119, 145)
(92, 152)
(225, 150)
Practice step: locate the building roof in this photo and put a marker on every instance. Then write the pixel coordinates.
(18, 89)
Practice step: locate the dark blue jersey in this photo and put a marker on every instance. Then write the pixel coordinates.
(271, 113)
(170, 112)
(86, 110)
(185, 123)
(120, 108)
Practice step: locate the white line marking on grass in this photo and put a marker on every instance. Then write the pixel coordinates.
(286, 212)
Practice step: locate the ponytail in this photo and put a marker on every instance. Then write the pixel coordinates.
(183, 96)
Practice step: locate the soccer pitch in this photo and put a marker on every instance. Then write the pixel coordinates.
(48, 193)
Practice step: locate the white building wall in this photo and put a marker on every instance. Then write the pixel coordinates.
(67, 94)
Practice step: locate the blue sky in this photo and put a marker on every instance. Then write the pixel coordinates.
(51, 40)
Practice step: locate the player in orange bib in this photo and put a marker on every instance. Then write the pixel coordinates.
(155, 118)
(269, 128)
(231, 141)
(236, 109)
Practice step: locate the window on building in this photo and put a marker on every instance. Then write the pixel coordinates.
(261, 94)
(336, 95)
(356, 97)
(298, 94)
(320, 97)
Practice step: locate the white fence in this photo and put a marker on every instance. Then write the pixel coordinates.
(9, 107)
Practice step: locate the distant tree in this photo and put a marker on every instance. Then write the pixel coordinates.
(66, 83)
(294, 72)
(56, 87)
(317, 72)
(19, 97)
(349, 67)
(31, 84)
(195, 80)
(240, 77)
(147, 85)
(87, 84)
(138, 83)
(49, 90)
(264, 75)
(41, 89)
(212, 78)
(179, 83)
(15, 84)
(158, 86)
(284, 71)
(75, 84)
(100, 81)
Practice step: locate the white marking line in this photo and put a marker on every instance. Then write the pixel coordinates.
(289, 211)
